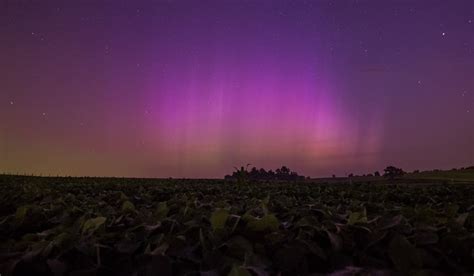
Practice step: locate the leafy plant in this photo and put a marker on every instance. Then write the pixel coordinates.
(75, 226)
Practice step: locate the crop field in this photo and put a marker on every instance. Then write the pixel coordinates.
(117, 226)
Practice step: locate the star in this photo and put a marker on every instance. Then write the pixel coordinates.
(443, 34)
(11, 102)
(469, 21)
(44, 114)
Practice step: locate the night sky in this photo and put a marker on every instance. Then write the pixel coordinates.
(193, 88)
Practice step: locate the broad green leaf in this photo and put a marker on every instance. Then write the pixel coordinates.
(202, 239)
(265, 203)
(247, 217)
(386, 224)
(160, 250)
(239, 271)
(452, 210)
(461, 219)
(30, 237)
(123, 197)
(128, 207)
(64, 240)
(21, 213)
(91, 225)
(162, 210)
(357, 217)
(267, 223)
(336, 241)
(219, 218)
(314, 248)
(30, 214)
(403, 254)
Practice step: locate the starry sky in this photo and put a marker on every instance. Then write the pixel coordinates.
(156, 88)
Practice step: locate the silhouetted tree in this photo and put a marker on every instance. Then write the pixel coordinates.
(376, 173)
(294, 176)
(283, 173)
(241, 174)
(392, 172)
(254, 173)
(271, 175)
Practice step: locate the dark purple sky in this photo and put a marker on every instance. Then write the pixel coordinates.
(193, 88)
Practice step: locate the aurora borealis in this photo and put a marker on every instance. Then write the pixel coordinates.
(192, 88)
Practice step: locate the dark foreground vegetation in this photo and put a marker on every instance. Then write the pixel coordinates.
(103, 226)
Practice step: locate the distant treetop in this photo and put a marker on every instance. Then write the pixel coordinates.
(283, 173)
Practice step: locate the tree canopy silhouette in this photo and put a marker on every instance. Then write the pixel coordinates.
(392, 172)
(283, 173)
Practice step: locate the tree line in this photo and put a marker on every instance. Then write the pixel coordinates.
(283, 173)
